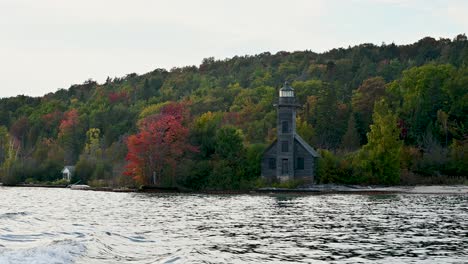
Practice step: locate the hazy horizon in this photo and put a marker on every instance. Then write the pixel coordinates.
(51, 45)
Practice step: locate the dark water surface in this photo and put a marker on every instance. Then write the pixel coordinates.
(65, 226)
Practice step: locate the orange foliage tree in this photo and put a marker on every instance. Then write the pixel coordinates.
(69, 135)
(160, 144)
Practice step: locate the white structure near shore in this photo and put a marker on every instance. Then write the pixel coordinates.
(68, 172)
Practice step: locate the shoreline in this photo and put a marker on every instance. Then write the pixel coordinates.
(312, 190)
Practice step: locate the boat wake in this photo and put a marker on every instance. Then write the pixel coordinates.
(64, 251)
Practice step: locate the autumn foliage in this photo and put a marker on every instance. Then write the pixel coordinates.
(52, 118)
(117, 96)
(69, 121)
(161, 143)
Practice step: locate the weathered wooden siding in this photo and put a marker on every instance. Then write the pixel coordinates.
(309, 162)
(269, 153)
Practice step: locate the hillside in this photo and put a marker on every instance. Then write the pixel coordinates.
(226, 113)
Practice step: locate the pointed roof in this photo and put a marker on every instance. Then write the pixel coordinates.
(271, 145)
(307, 147)
(286, 87)
(71, 169)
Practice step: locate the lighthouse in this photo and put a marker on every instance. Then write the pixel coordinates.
(289, 157)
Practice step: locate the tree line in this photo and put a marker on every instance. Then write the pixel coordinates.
(383, 114)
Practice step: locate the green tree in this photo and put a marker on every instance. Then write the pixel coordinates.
(9, 169)
(442, 118)
(254, 153)
(423, 91)
(93, 145)
(336, 169)
(329, 126)
(350, 140)
(4, 140)
(379, 159)
(204, 131)
(92, 164)
(146, 92)
(305, 130)
(228, 160)
(229, 143)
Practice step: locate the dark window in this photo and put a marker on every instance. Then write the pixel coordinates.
(284, 146)
(285, 126)
(285, 167)
(300, 163)
(272, 163)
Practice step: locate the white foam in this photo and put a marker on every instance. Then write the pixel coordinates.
(65, 251)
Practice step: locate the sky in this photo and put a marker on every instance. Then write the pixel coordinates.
(51, 44)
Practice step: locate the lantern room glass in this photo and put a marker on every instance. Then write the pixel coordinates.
(286, 93)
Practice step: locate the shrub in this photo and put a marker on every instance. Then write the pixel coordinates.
(12, 175)
(84, 171)
(60, 182)
(334, 169)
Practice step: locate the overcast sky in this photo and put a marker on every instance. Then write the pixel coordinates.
(50, 44)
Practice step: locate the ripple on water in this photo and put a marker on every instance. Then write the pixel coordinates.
(11, 215)
(66, 226)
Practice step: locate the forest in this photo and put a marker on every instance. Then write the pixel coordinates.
(378, 114)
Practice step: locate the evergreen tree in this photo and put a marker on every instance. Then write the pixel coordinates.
(350, 139)
(146, 91)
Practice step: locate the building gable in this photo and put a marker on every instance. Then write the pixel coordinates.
(306, 146)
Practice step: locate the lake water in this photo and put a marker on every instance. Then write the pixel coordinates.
(65, 226)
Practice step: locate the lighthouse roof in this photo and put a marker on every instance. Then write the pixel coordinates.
(286, 87)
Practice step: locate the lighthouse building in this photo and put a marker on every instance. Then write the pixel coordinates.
(289, 156)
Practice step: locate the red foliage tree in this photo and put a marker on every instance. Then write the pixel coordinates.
(158, 147)
(69, 121)
(69, 135)
(118, 97)
(177, 110)
(52, 118)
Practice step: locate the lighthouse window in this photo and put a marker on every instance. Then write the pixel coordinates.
(285, 126)
(300, 163)
(284, 146)
(272, 163)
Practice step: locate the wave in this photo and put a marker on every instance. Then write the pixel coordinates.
(64, 251)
